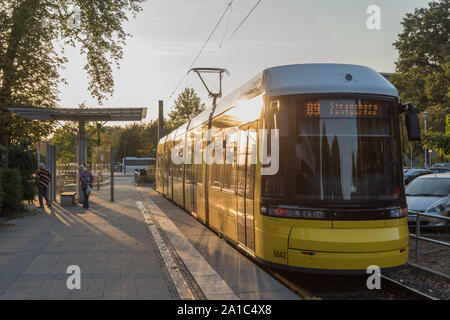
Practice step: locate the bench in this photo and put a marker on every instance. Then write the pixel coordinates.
(67, 199)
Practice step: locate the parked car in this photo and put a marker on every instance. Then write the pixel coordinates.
(429, 194)
(410, 174)
(441, 165)
(439, 170)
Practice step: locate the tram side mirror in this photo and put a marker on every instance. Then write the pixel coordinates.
(412, 122)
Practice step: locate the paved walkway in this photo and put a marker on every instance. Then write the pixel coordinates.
(140, 246)
(110, 242)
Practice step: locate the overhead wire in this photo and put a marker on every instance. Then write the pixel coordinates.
(203, 47)
(242, 22)
(226, 28)
(221, 43)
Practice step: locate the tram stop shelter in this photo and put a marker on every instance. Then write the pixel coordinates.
(81, 116)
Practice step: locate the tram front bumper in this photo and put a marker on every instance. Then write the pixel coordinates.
(349, 247)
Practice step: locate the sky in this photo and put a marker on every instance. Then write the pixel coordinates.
(168, 34)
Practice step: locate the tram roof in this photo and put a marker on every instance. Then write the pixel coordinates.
(312, 78)
(325, 78)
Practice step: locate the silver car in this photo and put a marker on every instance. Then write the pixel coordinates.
(429, 194)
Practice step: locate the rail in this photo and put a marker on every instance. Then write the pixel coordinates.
(418, 237)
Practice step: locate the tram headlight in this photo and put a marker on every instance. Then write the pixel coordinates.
(398, 212)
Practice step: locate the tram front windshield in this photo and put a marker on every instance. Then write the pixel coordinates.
(346, 149)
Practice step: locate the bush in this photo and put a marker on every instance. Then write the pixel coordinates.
(22, 156)
(146, 179)
(11, 182)
(29, 189)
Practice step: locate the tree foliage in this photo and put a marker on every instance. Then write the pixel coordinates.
(423, 67)
(11, 182)
(23, 157)
(140, 140)
(33, 34)
(423, 70)
(65, 140)
(187, 106)
(440, 140)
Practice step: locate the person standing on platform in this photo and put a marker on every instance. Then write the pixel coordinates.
(86, 180)
(44, 177)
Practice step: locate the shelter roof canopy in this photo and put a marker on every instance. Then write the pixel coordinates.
(75, 114)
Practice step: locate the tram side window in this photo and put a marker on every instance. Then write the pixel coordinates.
(216, 175)
(198, 174)
(168, 173)
(274, 185)
(251, 160)
(159, 165)
(216, 170)
(241, 155)
(178, 171)
(188, 167)
(197, 167)
(229, 169)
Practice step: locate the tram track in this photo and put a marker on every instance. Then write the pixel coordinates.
(326, 287)
(331, 287)
(395, 285)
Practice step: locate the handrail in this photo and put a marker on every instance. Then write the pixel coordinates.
(418, 237)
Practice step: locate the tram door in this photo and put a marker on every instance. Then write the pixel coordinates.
(246, 163)
(197, 173)
(194, 182)
(168, 177)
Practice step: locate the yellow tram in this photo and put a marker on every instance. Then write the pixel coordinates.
(331, 198)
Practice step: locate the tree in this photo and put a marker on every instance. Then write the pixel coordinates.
(187, 106)
(140, 140)
(423, 70)
(65, 141)
(423, 66)
(33, 34)
(149, 140)
(23, 158)
(440, 141)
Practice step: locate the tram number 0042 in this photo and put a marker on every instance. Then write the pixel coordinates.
(279, 254)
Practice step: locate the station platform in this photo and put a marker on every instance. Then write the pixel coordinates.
(224, 272)
(140, 246)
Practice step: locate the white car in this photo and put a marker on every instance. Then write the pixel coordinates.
(429, 194)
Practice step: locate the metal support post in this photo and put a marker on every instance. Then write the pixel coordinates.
(112, 174)
(417, 237)
(81, 155)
